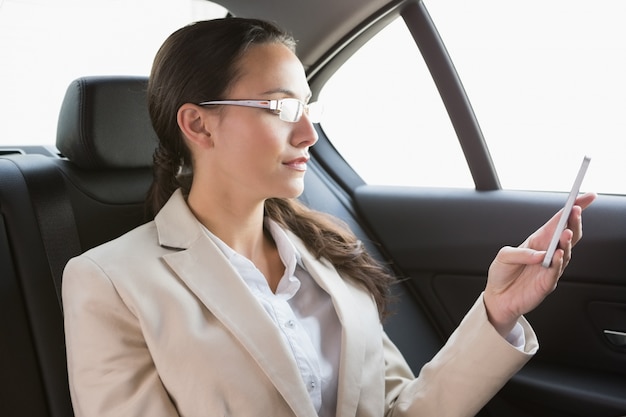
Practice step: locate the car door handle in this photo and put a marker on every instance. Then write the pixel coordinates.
(616, 338)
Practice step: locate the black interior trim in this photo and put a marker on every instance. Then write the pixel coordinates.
(19, 363)
(37, 291)
(555, 391)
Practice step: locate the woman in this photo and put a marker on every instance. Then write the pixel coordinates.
(236, 300)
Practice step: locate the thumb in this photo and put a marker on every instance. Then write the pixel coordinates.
(519, 256)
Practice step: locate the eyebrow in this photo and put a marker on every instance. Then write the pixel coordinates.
(287, 92)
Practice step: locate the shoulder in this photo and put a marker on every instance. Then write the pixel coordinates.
(122, 257)
(125, 268)
(142, 239)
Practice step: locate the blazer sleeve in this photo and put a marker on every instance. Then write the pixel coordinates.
(111, 372)
(462, 377)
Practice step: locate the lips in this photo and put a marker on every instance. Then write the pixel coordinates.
(298, 164)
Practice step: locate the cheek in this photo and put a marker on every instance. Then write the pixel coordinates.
(264, 137)
(253, 137)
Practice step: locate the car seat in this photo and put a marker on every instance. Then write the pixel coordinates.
(55, 205)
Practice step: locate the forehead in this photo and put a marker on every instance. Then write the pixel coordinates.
(270, 67)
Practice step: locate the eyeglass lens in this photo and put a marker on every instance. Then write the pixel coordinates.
(291, 110)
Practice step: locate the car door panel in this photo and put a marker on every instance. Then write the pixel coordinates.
(443, 241)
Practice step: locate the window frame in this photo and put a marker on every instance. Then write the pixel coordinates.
(446, 79)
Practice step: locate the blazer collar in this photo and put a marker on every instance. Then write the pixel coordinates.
(207, 272)
(210, 276)
(177, 227)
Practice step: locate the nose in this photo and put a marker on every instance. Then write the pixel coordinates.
(304, 133)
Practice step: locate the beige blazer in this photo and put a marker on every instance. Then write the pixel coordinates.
(159, 324)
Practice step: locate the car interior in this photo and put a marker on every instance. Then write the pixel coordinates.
(58, 203)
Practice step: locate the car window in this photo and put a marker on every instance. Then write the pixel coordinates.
(545, 80)
(383, 113)
(44, 45)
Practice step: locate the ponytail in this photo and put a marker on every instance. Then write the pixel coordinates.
(327, 237)
(170, 172)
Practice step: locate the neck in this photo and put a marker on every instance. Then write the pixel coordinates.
(242, 230)
(237, 223)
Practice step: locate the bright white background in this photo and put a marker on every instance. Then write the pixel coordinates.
(546, 80)
(45, 44)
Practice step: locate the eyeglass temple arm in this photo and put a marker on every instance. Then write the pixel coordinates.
(261, 104)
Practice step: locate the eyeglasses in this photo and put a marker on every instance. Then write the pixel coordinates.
(287, 109)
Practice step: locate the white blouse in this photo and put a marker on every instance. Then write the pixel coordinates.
(304, 314)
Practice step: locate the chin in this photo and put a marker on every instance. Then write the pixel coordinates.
(293, 191)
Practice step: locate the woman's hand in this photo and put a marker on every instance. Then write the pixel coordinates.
(517, 283)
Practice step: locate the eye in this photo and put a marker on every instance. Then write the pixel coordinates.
(291, 109)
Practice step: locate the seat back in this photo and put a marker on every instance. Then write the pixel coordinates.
(54, 207)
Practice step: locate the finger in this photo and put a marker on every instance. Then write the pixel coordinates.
(565, 244)
(519, 256)
(585, 200)
(575, 224)
(557, 266)
(541, 237)
(582, 202)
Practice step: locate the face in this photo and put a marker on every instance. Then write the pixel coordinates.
(253, 152)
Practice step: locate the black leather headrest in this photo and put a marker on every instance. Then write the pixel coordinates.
(104, 123)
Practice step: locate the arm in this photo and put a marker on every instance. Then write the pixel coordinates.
(111, 372)
(477, 361)
(462, 377)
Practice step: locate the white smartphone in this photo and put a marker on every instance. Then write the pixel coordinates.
(567, 209)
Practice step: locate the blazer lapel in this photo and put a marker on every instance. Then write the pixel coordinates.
(209, 275)
(352, 343)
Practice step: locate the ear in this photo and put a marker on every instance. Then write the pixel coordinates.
(194, 123)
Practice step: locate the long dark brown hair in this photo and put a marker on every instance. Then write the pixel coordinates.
(200, 62)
